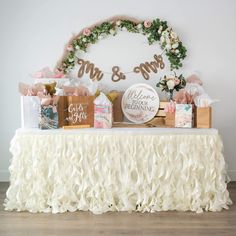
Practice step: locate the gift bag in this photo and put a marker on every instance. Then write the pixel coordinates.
(183, 116)
(80, 110)
(48, 118)
(30, 107)
(102, 112)
(203, 117)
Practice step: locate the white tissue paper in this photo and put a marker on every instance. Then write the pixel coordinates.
(204, 100)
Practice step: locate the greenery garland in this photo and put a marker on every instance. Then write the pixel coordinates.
(155, 30)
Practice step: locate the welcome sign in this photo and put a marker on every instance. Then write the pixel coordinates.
(140, 103)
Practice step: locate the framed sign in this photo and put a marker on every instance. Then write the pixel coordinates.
(140, 103)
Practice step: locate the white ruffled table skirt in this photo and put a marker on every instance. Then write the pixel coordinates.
(143, 170)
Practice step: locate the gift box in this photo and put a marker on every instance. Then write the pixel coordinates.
(80, 110)
(183, 115)
(203, 117)
(30, 107)
(48, 118)
(102, 112)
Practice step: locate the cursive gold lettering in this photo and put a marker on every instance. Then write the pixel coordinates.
(89, 68)
(146, 68)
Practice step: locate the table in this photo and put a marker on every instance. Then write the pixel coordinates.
(119, 169)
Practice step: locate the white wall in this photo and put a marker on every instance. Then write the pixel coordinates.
(33, 34)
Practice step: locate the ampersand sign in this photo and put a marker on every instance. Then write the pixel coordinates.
(116, 75)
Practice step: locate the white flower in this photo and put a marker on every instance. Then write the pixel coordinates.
(71, 59)
(112, 31)
(167, 40)
(124, 29)
(164, 33)
(100, 37)
(139, 26)
(168, 46)
(84, 39)
(177, 51)
(162, 39)
(77, 47)
(170, 84)
(173, 35)
(175, 45)
(118, 22)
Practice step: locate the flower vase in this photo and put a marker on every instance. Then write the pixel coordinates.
(169, 95)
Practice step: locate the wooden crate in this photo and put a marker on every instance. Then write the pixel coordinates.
(159, 119)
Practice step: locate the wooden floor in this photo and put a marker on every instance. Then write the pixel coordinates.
(120, 223)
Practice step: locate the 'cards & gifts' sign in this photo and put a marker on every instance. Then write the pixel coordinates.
(80, 110)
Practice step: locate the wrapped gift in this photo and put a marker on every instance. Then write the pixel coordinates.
(48, 118)
(80, 110)
(30, 107)
(183, 115)
(203, 117)
(102, 112)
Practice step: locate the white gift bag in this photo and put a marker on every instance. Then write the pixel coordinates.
(30, 107)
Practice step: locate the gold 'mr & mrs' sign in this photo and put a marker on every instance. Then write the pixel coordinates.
(144, 69)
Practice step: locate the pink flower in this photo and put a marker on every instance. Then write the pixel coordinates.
(147, 23)
(86, 32)
(70, 48)
(177, 81)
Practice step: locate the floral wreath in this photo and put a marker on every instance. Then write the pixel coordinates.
(156, 30)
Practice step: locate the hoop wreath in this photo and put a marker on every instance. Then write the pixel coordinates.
(155, 31)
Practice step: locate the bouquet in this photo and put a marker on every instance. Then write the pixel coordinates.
(171, 83)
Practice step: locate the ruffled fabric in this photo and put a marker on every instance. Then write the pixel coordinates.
(106, 171)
